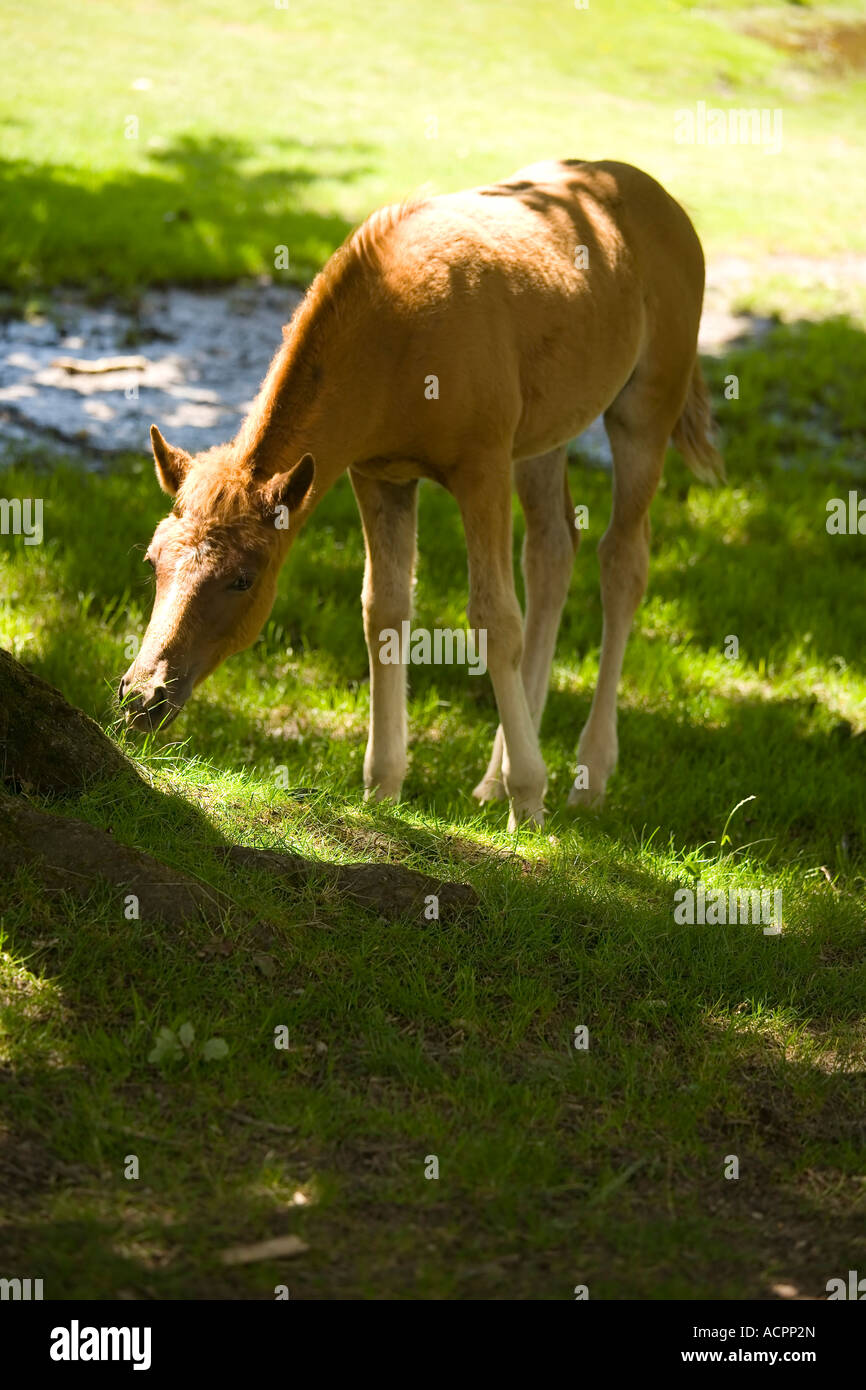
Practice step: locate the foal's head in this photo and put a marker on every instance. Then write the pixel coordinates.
(216, 558)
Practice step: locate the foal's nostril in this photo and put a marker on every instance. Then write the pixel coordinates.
(157, 706)
(121, 690)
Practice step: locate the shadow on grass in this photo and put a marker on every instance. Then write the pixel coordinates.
(349, 1120)
(809, 783)
(212, 215)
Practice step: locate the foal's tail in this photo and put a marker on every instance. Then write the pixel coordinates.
(694, 431)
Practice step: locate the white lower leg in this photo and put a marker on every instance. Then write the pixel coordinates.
(523, 771)
(535, 668)
(388, 514)
(386, 756)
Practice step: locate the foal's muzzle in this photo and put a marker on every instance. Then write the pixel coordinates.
(147, 708)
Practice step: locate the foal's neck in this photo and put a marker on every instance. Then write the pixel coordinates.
(313, 398)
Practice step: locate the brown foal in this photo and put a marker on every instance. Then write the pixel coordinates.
(463, 338)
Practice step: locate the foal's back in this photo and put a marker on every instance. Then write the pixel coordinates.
(534, 298)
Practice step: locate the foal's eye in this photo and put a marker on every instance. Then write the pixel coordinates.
(242, 583)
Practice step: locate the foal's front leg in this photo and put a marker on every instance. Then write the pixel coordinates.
(548, 555)
(388, 513)
(484, 498)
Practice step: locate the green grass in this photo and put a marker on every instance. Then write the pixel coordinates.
(557, 1166)
(266, 127)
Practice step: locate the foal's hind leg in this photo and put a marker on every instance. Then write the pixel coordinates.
(638, 425)
(548, 552)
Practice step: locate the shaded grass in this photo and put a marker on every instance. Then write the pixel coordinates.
(558, 1166)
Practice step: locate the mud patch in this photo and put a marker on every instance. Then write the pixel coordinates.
(837, 47)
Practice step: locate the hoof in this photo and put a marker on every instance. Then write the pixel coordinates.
(489, 789)
(584, 799)
(383, 793)
(529, 818)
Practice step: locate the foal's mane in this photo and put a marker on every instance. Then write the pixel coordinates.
(289, 388)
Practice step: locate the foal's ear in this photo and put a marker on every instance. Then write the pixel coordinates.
(288, 490)
(171, 463)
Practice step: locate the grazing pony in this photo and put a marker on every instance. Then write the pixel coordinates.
(463, 338)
